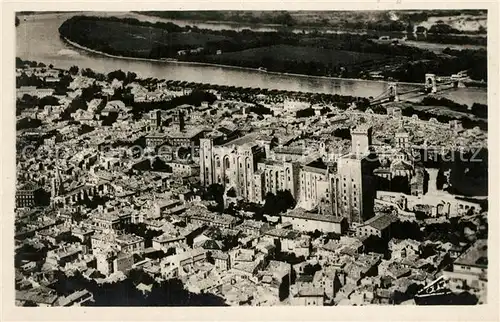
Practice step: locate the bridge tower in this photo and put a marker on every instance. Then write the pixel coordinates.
(457, 80)
(430, 83)
(393, 91)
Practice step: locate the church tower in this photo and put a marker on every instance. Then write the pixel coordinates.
(361, 139)
(57, 187)
(206, 158)
(402, 138)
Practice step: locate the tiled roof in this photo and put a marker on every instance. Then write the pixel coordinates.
(381, 222)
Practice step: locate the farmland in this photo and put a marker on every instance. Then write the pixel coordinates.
(312, 60)
(305, 54)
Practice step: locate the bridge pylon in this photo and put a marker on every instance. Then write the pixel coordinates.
(430, 83)
(458, 80)
(393, 91)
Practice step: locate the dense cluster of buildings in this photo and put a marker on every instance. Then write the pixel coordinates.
(181, 193)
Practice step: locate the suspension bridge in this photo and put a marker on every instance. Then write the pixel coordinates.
(432, 84)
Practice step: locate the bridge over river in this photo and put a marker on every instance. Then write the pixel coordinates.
(432, 84)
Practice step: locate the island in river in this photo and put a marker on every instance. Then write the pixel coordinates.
(334, 55)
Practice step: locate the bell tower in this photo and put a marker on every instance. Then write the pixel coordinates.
(206, 158)
(393, 91)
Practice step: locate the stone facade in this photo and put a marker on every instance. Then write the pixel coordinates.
(345, 188)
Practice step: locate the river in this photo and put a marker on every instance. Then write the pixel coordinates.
(37, 38)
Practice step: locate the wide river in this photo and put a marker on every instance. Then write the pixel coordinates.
(37, 38)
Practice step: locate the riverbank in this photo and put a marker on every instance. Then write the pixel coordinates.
(76, 45)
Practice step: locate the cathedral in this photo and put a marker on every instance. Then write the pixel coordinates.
(398, 169)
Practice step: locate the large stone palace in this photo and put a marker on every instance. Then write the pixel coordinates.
(343, 188)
